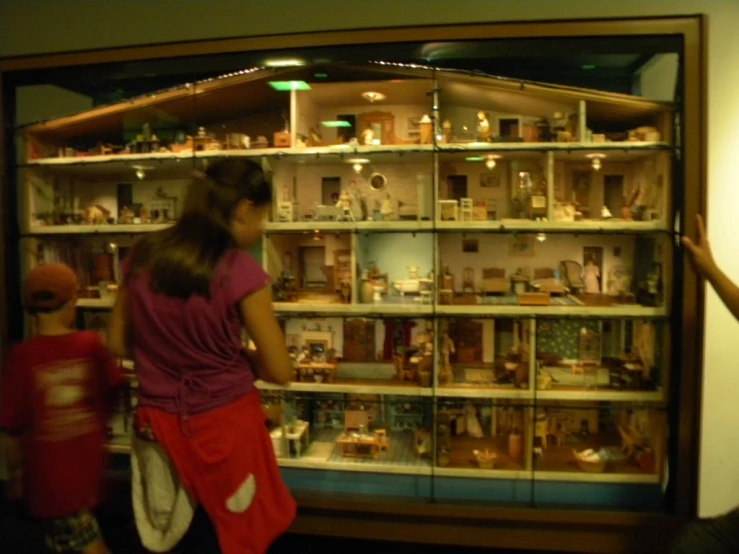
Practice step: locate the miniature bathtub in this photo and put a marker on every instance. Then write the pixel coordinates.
(412, 286)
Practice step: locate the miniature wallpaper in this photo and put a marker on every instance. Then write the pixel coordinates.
(561, 337)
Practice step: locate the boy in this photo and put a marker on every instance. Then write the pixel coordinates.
(54, 403)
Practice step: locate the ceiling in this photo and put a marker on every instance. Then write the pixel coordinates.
(606, 64)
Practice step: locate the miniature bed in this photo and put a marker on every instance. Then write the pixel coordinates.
(494, 281)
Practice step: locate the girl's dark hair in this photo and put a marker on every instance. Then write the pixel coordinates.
(182, 258)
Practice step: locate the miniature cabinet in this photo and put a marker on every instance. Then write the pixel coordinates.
(475, 294)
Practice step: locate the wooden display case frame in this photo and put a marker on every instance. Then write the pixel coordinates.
(513, 528)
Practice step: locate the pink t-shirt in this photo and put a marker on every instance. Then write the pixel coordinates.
(188, 354)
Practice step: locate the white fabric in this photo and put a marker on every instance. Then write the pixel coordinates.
(163, 509)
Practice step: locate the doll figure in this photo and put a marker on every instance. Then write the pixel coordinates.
(483, 127)
(386, 209)
(474, 429)
(447, 349)
(368, 137)
(591, 277)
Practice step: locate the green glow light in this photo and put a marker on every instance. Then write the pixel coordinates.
(336, 124)
(289, 85)
(321, 75)
(588, 66)
(475, 159)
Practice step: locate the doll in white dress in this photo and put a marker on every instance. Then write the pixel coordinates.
(591, 277)
(474, 429)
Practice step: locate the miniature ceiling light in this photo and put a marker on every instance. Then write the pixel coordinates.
(475, 159)
(289, 85)
(358, 164)
(373, 96)
(596, 160)
(490, 161)
(541, 237)
(141, 170)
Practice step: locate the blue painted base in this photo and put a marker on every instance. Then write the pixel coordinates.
(629, 497)
(606, 496)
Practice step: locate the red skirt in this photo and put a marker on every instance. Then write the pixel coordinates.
(226, 460)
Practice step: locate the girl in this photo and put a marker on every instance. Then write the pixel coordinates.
(186, 293)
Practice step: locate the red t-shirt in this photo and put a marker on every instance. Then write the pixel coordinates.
(56, 394)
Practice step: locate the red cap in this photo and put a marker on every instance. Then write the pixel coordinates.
(49, 287)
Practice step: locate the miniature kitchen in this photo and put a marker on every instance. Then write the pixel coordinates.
(473, 283)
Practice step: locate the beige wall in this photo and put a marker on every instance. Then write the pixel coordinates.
(33, 26)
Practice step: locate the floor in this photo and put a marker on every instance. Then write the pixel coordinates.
(21, 536)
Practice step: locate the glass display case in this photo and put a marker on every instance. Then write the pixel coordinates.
(474, 275)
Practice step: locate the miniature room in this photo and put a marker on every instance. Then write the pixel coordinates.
(371, 187)
(551, 268)
(484, 353)
(312, 268)
(489, 187)
(593, 355)
(481, 434)
(124, 194)
(348, 429)
(586, 438)
(361, 350)
(369, 113)
(395, 268)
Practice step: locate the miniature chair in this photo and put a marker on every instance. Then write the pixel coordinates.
(468, 280)
(571, 273)
(465, 209)
(448, 210)
(541, 431)
(382, 439)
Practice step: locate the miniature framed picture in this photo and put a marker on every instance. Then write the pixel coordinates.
(489, 180)
(521, 245)
(470, 246)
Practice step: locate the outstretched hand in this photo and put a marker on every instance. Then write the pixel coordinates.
(700, 250)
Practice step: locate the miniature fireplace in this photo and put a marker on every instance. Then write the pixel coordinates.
(318, 342)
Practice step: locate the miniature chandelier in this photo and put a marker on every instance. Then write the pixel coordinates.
(596, 160)
(373, 96)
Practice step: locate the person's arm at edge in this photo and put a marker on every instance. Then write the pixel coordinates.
(704, 264)
(272, 362)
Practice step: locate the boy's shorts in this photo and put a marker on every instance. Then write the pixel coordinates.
(72, 533)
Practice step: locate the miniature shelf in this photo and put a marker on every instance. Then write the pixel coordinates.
(346, 388)
(552, 146)
(368, 467)
(523, 225)
(274, 227)
(621, 311)
(484, 392)
(489, 311)
(407, 309)
(583, 477)
(96, 229)
(602, 395)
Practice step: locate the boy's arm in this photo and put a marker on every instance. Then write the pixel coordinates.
(119, 331)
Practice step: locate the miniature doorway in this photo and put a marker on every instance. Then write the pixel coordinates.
(330, 190)
(613, 193)
(456, 187)
(312, 264)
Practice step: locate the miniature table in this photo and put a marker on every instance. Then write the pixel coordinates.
(328, 370)
(356, 445)
(298, 434)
